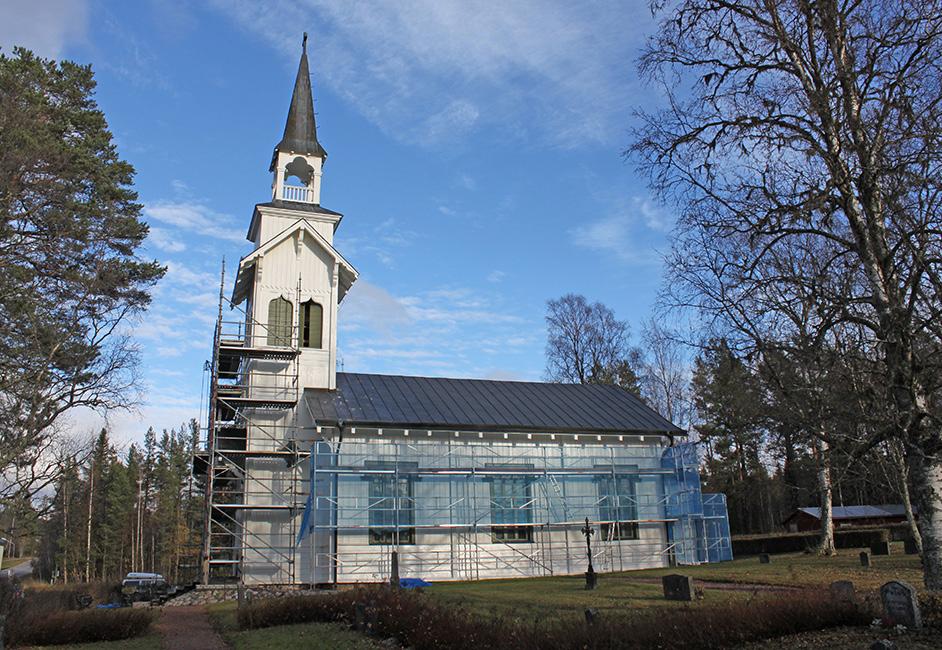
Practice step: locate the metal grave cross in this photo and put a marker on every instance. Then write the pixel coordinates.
(588, 531)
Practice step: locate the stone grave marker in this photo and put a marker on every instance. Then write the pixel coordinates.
(900, 604)
(865, 559)
(764, 558)
(677, 587)
(909, 546)
(591, 615)
(880, 548)
(843, 591)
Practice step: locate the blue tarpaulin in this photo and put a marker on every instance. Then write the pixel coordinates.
(412, 583)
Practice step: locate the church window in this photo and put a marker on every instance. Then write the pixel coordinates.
(618, 505)
(391, 505)
(312, 325)
(511, 509)
(279, 322)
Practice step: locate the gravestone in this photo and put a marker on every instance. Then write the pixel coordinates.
(591, 615)
(677, 587)
(843, 591)
(900, 604)
(764, 558)
(909, 546)
(880, 548)
(865, 559)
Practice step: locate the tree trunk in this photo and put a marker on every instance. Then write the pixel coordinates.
(926, 473)
(900, 462)
(88, 530)
(65, 533)
(826, 541)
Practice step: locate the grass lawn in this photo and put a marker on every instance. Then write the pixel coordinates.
(562, 596)
(316, 636)
(536, 597)
(801, 570)
(13, 561)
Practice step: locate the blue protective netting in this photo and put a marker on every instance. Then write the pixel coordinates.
(701, 532)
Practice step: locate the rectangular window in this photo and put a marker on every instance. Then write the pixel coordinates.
(618, 505)
(511, 509)
(391, 505)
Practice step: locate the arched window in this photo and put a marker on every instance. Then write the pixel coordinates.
(312, 325)
(279, 322)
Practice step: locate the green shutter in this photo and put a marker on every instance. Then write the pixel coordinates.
(279, 322)
(312, 325)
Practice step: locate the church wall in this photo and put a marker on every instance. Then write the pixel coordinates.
(447, 544)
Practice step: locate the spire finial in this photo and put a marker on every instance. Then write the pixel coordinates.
(304, 43)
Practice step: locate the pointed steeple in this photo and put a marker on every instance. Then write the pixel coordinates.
(300, 129)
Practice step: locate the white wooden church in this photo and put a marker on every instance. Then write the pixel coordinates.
(314, 476)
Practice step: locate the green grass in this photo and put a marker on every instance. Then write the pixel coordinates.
(561, 596)
(805, 570)
(536, 597)
(317, 636)
(149, 642)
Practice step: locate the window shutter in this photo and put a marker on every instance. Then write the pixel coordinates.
(279, 322)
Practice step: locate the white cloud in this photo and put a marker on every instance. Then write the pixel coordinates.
(165, 241)
(496, 276)
(196, 218)
(446, 331)
(125, 427)
(387, 239)
(46, 27)
(631, 232)
(431, 71)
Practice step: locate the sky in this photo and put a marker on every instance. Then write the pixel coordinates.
(475, 149)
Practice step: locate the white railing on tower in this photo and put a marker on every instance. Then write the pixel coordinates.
(298, 194)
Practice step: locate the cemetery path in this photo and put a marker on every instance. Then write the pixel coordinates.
(188, 628)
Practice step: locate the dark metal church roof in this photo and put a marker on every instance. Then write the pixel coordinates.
(482, 405)
(301, 129)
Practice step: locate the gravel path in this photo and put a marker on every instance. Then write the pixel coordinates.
(188, 628)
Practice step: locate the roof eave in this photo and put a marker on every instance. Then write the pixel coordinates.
(483, 428)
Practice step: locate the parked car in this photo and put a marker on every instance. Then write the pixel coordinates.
(138, 587)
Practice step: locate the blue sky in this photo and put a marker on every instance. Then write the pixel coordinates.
(474, 149)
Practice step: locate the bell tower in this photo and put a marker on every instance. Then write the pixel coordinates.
(298, 160)
(294, 279)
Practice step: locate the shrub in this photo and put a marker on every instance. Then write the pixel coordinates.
(421, 623)
(51, 628)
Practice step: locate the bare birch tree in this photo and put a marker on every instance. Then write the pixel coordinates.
(792, 120)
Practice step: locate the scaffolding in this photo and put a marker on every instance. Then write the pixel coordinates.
(449, 499)
(289, 501)
(253, 393)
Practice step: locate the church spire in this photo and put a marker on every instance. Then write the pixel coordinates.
(300, 135)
